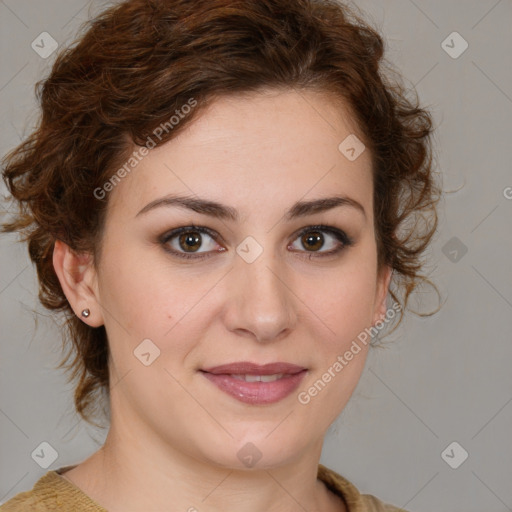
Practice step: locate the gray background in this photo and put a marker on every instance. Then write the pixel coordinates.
(445, 378)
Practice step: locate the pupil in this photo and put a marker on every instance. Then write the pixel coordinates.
(315, 239)
(191, 240)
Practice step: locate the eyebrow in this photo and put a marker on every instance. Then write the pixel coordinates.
(220, 211)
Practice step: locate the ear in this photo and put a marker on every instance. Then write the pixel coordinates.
(381, 294)
(78, 280)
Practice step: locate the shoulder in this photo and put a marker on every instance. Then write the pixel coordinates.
(41, 498)
(51, 493)
(373, 504)
(354, 500)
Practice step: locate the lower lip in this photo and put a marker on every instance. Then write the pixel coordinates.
(257, 393)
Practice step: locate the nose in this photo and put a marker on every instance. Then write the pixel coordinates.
(262, 303)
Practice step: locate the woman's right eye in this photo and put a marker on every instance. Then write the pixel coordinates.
(185, 242)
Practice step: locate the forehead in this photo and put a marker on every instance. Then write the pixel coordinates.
(248, 148)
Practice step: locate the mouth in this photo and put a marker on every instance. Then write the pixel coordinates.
(245, 368)
(256, 384)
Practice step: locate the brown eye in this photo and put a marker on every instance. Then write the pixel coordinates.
(313, 240)
(190, 241)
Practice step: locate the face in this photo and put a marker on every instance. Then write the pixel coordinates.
(254, 279)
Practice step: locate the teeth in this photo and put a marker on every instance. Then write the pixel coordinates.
(258, 378)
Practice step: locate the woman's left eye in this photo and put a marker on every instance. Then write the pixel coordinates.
(313, 238)
(185, 242)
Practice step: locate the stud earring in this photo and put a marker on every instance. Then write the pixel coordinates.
(86, 313)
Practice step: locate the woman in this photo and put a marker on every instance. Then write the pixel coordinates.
(189, 156)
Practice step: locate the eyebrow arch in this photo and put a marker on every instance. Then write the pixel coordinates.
(220, 211)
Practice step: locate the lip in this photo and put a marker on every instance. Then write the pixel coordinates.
(248, 368)
(256, 393)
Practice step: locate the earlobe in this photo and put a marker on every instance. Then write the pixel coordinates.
(77, 277)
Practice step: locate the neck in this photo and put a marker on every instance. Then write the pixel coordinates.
(134, 472)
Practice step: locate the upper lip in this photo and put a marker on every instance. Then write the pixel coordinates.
(247, 368)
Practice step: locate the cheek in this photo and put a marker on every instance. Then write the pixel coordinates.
(344, 308)
(132, 294)
(344, 302)
(145, 298)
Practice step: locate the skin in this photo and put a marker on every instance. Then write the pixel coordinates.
(174, 436)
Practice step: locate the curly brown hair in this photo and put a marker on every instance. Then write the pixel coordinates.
(139, 61)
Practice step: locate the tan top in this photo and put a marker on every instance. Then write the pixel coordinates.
(52, 492)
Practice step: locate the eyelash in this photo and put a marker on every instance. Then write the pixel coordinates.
(340, 235)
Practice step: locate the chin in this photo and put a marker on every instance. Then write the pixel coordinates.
(255, 451)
